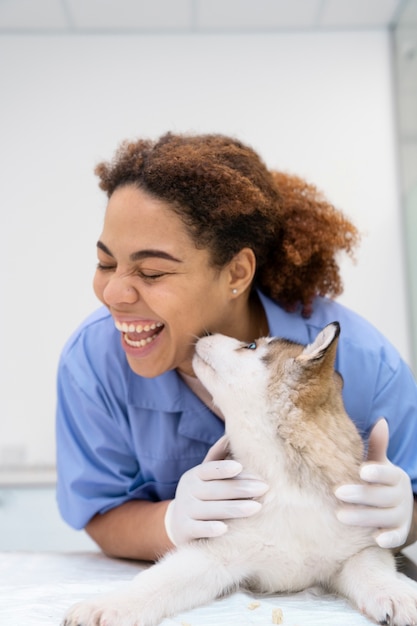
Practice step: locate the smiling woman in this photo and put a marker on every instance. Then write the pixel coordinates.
(200, 237)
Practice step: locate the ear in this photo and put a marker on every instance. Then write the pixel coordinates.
(324, 345)
(241, 270)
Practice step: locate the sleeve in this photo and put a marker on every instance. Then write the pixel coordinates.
(396, 400)
(378, 383)
(95, 465)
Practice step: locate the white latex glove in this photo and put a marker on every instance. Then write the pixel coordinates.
(209, 493)
(386, 500)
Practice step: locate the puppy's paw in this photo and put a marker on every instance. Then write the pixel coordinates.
(395, 605)
(111, 610)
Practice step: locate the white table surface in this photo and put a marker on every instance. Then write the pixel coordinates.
(37, 588)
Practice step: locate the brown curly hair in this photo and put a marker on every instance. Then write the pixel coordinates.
(229, 200)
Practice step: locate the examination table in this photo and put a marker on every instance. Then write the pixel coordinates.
(36, 589)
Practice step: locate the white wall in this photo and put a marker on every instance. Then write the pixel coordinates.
(315, 104)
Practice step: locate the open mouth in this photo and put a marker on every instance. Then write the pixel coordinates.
(139, 335)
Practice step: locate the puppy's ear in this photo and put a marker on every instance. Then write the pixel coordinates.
(323, 347)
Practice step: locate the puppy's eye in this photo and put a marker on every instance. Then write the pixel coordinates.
(251, 346)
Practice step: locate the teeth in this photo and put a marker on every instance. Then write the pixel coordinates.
(126, 328)
(141, 343)
(131, 328)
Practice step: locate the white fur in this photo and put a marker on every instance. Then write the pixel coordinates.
(295, 541)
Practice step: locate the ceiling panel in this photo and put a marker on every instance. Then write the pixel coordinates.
(32, 15)
(358, 13)
(254, 14)
(130, 14)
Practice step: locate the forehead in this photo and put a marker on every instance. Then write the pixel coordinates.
(135, 220)
(129, 203)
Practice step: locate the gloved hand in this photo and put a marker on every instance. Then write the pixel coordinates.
(386, 500)
(213, 491)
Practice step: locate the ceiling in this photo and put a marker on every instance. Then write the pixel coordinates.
(194, 16)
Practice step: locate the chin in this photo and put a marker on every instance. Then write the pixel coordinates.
(146, 370)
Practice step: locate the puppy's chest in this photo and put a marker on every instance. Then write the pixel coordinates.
(300, 501)
(295, 526)
(293, 507)
(283, 466)
(295, 454)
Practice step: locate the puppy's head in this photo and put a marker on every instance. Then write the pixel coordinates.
(232, 371)
(268, 374)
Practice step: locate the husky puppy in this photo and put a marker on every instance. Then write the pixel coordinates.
(286, 422)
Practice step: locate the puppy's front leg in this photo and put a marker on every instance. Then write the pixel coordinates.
(370, 581)
(190, 576)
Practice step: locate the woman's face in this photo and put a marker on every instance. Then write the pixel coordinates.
(160, 289)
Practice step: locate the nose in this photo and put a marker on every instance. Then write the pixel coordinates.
(119, 290)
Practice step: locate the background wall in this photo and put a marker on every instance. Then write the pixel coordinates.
(405, 72)
(316, 104)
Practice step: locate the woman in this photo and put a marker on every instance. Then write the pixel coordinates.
(200, 237)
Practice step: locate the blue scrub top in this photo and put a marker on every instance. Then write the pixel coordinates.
(122, 437)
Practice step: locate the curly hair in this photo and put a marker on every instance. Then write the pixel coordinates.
(229, 200)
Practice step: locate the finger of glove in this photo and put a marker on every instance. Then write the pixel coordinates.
(392, 539)
(370, 516)
(228, 489)
(221, 468)
(370, 495)
(378, 441)
(198, 529)
(222, 509)
(219, 450)
(383, 473)
(213, 470)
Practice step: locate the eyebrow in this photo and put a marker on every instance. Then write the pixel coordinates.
(142, 254)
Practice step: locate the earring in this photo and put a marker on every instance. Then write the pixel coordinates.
(234, 291)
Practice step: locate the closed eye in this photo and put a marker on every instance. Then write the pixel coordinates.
(152, 276)
(102, 267)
